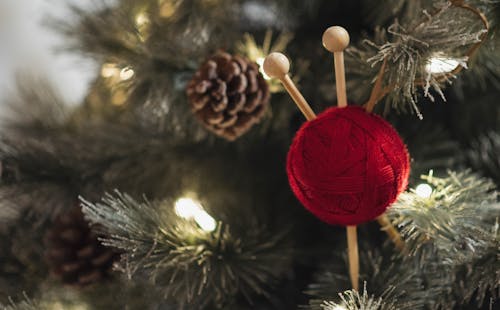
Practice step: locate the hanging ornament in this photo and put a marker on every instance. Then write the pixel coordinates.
(73, 253)
(228, 95)
(345, 166)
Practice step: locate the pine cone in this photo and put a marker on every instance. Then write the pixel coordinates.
(228, 95)
(73, 253)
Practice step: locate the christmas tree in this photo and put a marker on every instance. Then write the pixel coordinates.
(167, 188)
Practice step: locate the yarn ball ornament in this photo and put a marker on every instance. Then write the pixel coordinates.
(347, 166)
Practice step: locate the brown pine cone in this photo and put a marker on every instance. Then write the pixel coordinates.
(228, 95)
(73, 253)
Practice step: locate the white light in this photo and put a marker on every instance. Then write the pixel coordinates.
(188, 208)
(206, 222)
(126, 73)
(441, 64)
(141, 19)
(109, 70)
(423, 190)
(260, 62)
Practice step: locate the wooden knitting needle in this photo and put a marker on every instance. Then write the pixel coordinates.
(391, 231)
(336, 40)
(353, 255)
(276, 65)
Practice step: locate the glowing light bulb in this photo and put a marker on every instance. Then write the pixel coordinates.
(260, 62)
(126, 73)
(206, 222)
(109, 70)
(188, 208)
(141, 19)
(441, 64)
(423, 190)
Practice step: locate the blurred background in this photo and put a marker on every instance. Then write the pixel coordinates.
(27, 44)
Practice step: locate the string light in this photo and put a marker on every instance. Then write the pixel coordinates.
(114, 74)
(188, 208)
(423, 190)
(442, 64)
(141, 19)
(126, 73)
(258, 52)
(109, 70)
(142, 23)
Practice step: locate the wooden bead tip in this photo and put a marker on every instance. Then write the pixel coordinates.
(276, 65)
(335, 39)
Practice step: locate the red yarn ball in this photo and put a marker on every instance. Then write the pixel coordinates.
(347, 166)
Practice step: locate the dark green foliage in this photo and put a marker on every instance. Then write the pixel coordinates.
(194, 267)
(451, 255)
(381, 275)
(452, 233)
(26, 304)
(150, 147)
(46, 159)
(162, 44)
(431, 148)
(479, 278)
(449, 218)
(22, 268)
(354, 300)
(484, 155)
